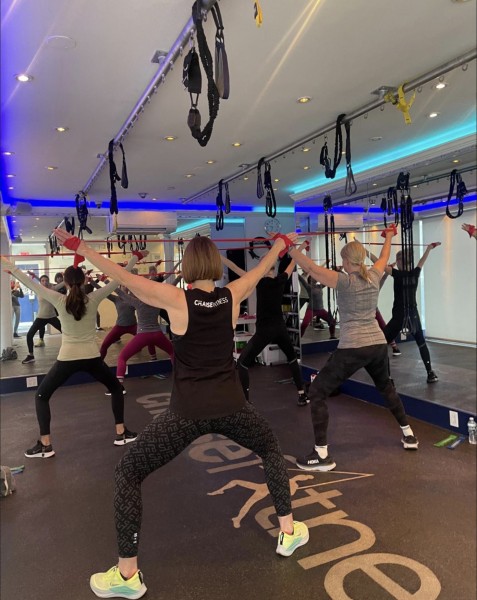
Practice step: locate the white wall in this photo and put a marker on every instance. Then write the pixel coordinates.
(450, 279)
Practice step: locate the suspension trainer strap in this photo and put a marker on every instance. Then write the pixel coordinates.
(227, 198)
(219, 217)
(330, 172)
(222, 78)
(113, 177)
(82, 214)
(384, 208)
(257, 13)
(350, 187)
(461, 191)
(270, 202)
(260, 190)
(203, 136)
(124, 171)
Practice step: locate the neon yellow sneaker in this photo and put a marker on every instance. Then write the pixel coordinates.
(287, 544)
(40, 344)
(112, 585)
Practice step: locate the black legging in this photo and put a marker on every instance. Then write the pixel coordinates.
(395, 325)
(166, 437)
(38, 325)
(61, 371)
(339, 367)
(273, 333)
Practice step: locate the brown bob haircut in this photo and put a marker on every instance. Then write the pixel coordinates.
(201, 260)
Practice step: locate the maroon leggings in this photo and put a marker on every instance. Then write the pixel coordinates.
(116, 334)
(322, 314)
(140, 341)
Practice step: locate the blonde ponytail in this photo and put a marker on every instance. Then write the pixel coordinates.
(356, 254)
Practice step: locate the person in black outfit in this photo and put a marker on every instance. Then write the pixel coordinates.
(405, 288)
(270, 327)
(206, 397)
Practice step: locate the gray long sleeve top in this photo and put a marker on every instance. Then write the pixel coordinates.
(147, 316)
(315, 293)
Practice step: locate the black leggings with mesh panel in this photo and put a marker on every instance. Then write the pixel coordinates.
(166, 437)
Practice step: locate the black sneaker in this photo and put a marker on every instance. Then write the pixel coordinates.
(15, 335)
(29, 359)
(313, 462)
(303, 400)
(125, 438)
(40, 451)
(396, 351)
(432, 377)
(410, 442)
(319, 326)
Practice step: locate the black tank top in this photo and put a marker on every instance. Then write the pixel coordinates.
(205, 383)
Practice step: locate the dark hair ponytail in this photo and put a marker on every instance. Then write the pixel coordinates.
(76, 299)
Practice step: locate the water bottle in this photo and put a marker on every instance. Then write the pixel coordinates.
(472, 427)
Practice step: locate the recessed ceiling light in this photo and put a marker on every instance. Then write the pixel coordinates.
(32, 237)
(415, 186)
(343, 152)
(8, 153)
(276, 180)
(153, 198)
(376, 138)
(433, 115)
(51, 168)
(61, 129)
(303, 99)
(441, 85)
(456, 160)
(375, 184)
(23, 77)
(306, 168)
(211, 162)
(37, 218)
(244, 166)
(236, 144)
(11, 187)
(275, 189)
(170, 138)
(11, 175)
(305, 149)
(245, 178)
(189, 175)
(35, 226)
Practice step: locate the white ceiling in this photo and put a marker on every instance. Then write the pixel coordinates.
(335, 51)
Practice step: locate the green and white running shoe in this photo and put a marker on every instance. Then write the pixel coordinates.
(287, 544)
(113, 585)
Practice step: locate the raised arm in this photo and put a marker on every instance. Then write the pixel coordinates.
(325, 276)
(232, 266)
(103, 292)
(420, 264)
(40, 290)
(291, 267)
(381, 265)
(242, 288)
(161, 295)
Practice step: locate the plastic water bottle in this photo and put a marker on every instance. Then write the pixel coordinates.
(472, 427)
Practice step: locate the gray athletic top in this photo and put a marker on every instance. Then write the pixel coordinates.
(78, 337)
(147, 316)
(315, 293)
(357, 301)
(46, 310)
(126, 311)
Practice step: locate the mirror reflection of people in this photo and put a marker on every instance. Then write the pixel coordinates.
(361, 345)
(206, 398)
(46, 315)
(404, 312)
(17, 293)
(270, 327)
(315, 306)
(78, 351)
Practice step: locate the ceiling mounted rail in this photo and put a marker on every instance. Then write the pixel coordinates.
(408, 87)
(166, 65)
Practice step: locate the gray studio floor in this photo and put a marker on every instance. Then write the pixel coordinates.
(384, 525)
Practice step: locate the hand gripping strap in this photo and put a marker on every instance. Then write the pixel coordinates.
(72, 243)
(392, 228)
(288, 243)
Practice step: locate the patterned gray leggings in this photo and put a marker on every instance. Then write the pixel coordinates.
(166, 437)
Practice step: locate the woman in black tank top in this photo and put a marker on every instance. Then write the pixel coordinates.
(206, 396)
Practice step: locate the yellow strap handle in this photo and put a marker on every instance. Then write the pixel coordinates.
(400, 102)
(257, 13)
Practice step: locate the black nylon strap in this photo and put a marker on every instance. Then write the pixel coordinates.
(461, 191)
(227, 199)
(330, 172)
(113, 177)
(222, 78)
(350, 187)
(203, 136)
(219, 218)
(82, 214)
